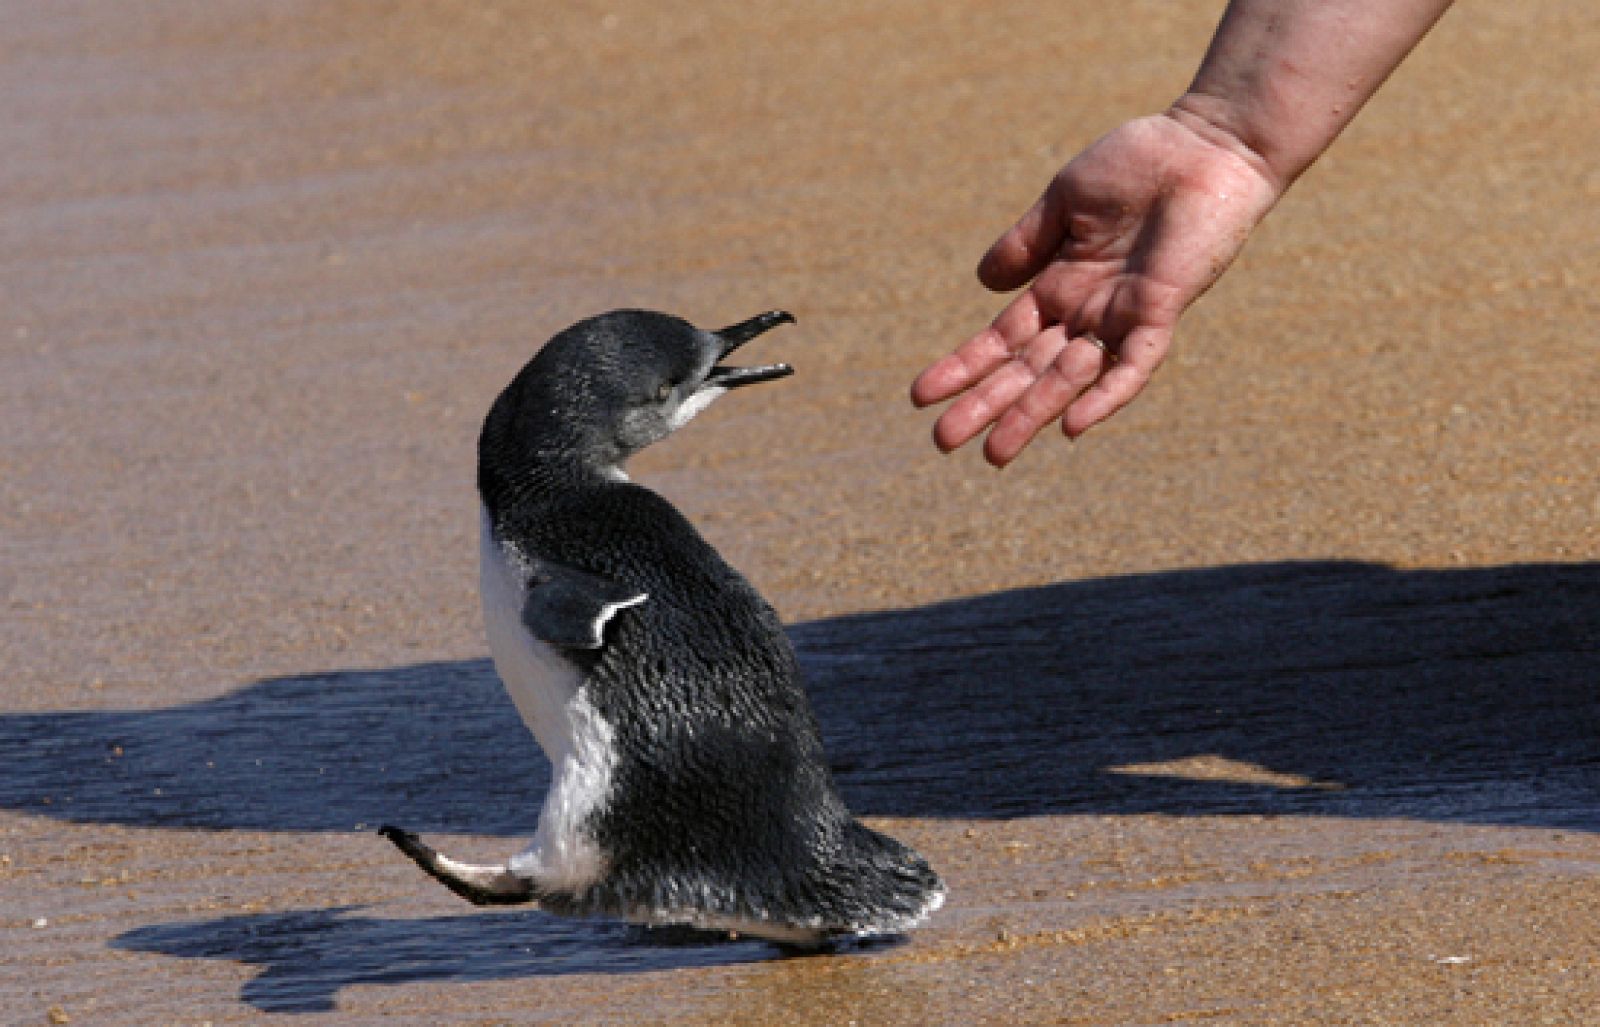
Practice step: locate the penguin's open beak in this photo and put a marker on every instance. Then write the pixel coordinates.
(733, 337)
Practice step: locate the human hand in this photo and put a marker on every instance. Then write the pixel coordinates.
(1127, 235)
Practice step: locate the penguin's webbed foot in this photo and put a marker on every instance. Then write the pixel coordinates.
(479, 885)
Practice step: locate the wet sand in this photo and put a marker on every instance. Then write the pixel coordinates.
(1273, 700)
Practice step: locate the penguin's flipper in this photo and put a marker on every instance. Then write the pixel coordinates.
(569, 608)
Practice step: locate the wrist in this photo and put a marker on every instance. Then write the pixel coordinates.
(1282, 78)
(1222, 124)
(1220, 130)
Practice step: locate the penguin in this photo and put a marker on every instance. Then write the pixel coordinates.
(689, 786)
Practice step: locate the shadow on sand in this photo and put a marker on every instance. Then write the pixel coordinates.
(1467, 696)
(310, 955)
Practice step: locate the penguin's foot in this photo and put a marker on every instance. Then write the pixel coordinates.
(479, 885)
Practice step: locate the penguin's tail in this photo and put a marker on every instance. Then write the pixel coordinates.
(880, 886)
(479, 885)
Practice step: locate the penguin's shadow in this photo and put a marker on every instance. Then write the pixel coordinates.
(1330, 689)
(1350, 689)
(310, 955)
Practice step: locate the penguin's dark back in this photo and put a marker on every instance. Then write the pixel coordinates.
(702, 689)
(702, 615)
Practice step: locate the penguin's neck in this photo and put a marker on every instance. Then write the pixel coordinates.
(528, 456)
(525, 486)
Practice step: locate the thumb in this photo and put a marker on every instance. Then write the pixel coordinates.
(1024, 250)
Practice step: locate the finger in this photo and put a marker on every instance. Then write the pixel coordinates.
(979, 408)
(1025, 249)
(1140, 354)
(950, 375)
(978, 357)
(1073, 371)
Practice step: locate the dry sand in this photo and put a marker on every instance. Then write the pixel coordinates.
(1273, 700)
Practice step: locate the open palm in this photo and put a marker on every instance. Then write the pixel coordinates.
(1125, 237)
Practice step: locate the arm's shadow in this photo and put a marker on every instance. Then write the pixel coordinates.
(1462, 695)
(1358, 690)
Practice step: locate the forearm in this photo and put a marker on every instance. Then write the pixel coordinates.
(1282, 78)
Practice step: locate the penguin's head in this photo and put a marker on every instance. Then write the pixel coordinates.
(611, 385)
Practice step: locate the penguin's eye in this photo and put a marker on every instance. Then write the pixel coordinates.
(663, 391)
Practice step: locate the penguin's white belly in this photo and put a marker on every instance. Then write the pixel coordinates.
(545, 687)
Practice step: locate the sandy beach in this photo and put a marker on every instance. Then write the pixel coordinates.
(1274, 700)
